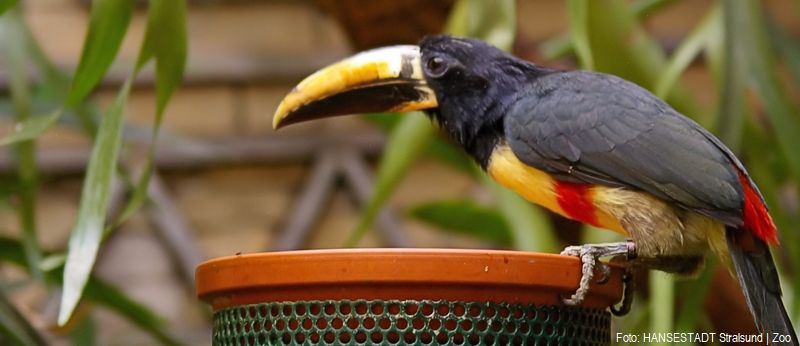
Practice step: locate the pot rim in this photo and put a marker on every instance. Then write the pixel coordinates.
(401, 272)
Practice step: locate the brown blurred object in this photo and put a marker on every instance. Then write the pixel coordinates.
(371, 24)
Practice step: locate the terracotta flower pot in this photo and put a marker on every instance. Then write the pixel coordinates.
(402, 296)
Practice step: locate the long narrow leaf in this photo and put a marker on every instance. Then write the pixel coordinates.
(14, 49)
(761, 61)
(15, 326)
(108, 23)
(86, 236)
(117, 301)
(579, 30)
(31, 129)
(662, 302)
(687, 51)
(165, 40)
(465, 217)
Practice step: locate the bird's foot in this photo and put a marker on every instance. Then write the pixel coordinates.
(590, 255)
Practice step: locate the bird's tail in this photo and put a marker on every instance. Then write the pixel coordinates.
(758, 277)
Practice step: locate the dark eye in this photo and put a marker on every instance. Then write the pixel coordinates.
(436, 66)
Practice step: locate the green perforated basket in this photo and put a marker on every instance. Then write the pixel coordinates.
(402, 297)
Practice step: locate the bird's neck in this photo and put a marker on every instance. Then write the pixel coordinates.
(478, 134)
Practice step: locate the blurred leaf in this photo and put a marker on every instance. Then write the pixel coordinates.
(5, 5)
(406, 143)
(86, 236)
(100, 292)
(579, 31)
(15, 326)
(15, 50)
(687, 51)
(662, 302)
(31, 128)
(561, 46)
(530, 227)
(761, 61)
(493, 21)
(465, 217)
(108, 23)
(84, 333)
(117, 301)
(694, 295)
(165, 40)
(729, 122)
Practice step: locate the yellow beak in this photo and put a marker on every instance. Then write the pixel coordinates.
(381, 80)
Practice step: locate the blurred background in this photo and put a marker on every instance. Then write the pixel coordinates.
(80, 78)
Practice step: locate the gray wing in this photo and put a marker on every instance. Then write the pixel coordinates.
(600, 129)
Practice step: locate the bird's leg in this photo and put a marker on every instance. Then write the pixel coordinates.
(589, 255)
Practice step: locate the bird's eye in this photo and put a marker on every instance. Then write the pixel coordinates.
(436, 66)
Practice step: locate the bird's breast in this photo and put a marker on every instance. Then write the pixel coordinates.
(572, 200)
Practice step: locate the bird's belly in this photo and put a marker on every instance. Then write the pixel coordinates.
(574, 201)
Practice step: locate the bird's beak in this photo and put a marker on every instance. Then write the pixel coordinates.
(381, 80)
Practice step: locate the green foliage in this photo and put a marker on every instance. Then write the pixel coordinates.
(107, 26)
(85, 239)
(166, 43)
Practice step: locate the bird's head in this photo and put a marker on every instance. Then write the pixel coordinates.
(460, 82)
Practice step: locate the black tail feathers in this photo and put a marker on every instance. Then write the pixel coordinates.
(758, 277)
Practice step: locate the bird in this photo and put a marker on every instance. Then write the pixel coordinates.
(589, 146)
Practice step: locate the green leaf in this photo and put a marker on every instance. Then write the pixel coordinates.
(687, 51)
(465, 217)
(5, 5)
(31, 128)
(662, 302)
(15, 50)
(578, 11)
(108, 23)
(732, 69)
(165, 40)
(117, 301)
(14, 326)
(406, 143)
(86, 236)
(493, 21)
